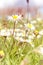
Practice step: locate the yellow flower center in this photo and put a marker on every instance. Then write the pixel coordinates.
(36, 32)
(30, 25)
(1, 53)
(15, 16)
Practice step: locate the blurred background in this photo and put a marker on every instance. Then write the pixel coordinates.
(11, 7)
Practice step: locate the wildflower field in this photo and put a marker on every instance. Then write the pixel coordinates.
(21, 41)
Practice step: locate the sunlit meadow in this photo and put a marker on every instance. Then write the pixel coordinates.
(21, 33)
(21, 41)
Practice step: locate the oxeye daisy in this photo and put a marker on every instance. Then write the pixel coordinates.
(16, 17)
(6, 32)
(32, 27)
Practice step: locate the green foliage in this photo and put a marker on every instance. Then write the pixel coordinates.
(16, 52)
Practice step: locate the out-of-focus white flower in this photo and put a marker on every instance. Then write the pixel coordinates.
(39, 50)
(39, 19)
(31, 37)
(8, 34)
(21, 40)
(5, 33)
(17, 30)
(33, 22)
(41, 32)
(39, 36)
(17, 38)
(28, 40)
(18, 34)
(2, 32)
(31, 26)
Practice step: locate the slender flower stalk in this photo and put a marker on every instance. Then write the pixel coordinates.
(27, 8)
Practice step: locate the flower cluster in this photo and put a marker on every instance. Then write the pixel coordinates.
(28, 32)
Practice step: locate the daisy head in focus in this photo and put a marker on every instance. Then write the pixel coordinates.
(14, 17)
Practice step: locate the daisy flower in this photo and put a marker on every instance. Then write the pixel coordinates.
(39, 50)
(28, 40)
(31, 37)
(31, 26)
(18, 34)
(39, 19)
(17, 30)
(33, 22)
(21, 40)
(16, 17)
(5, 33)
(17, 38)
